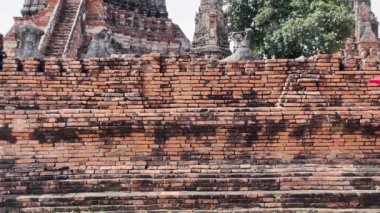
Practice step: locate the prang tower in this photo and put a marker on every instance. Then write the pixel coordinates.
(365, 39)
(211, 30)
(70, 27)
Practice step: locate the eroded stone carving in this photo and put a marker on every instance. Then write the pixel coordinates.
(373, 54)
(364, 52)
(368, 35)
(101, 45)
(242, 43)
(28, 37)
(150, 8)
(368, 25)
(365, 36)
(32, 7)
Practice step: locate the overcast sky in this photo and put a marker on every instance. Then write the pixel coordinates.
(181, 11)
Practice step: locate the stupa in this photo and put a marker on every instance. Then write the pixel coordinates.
(211, 30)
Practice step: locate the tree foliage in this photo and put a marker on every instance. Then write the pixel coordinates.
(291, 28)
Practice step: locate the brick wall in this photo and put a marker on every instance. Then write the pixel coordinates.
(150, 83)
(154, 124)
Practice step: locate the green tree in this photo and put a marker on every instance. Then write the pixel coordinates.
(291, 28)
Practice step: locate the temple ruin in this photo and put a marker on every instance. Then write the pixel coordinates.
(365, 38)
(90, 123)
(211, 31)
(136, 27)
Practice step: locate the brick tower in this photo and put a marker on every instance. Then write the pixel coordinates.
(211, 31)
(365, 39)
(71, 28)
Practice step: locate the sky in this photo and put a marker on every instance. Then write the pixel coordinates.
(181, 11)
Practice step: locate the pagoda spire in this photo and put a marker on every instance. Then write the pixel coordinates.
(211, 31)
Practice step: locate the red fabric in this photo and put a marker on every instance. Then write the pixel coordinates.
(374, 81)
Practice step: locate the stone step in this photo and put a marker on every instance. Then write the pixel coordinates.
(70, 9)
(123, 209)
(58, 45)
(65, 173)
(56, 50)
(186, 184)
(63, 29)
(222, 171)
(65, 25)
(62, 36)
(69, 15)
(58, 41)
(146, 182)
(186, 200)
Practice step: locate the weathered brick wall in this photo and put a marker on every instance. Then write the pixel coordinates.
(150, 125)
(148, 83)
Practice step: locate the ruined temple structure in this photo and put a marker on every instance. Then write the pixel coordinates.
(158, 133)
(364, 44)
(211, 31)
(176, 134)
(136, 27)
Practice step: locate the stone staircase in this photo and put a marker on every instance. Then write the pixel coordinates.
(62, 29)
(252, 188)
(153, 201)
